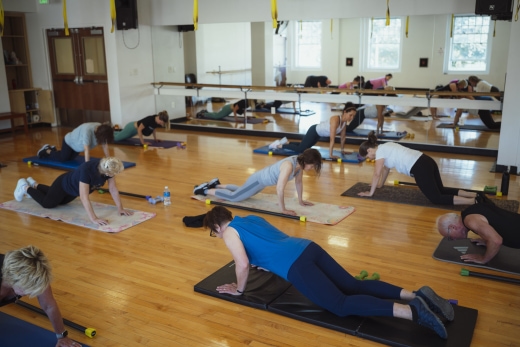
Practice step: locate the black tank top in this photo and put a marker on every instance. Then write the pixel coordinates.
(506, 223)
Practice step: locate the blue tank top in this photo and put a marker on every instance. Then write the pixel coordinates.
(267, 246)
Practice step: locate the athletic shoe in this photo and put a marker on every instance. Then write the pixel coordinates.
(275, 144)
(436, 303)
(283, 141)
(213, 183)
(200, 189)
(42, 153)
(53, 148)
(20, 190)
(482, 198)
(427, 318)
(32, 182)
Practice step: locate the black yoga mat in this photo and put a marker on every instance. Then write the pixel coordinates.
(286, 110)
(468, 127)
(411, 195)
(506, 260)
(264, 292)
(134, 141)
(250, 120)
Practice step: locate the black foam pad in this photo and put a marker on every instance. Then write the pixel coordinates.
(506, 260)
(293, 304)
(262, 287)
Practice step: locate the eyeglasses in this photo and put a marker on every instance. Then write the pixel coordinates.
(212, 233)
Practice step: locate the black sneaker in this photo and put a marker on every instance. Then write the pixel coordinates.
(200, 189)
(482, 198)
(427, 318)
(213, 183)
(436, 303)
(53, 148)
(42, 153)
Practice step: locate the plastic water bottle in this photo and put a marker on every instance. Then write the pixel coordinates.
(166, 197)
(505, 182)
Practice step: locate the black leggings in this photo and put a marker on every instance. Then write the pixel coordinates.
(65, 154)
(49, 197)
(487, 119)
(309, 140)
(276, 104)
(428, 179)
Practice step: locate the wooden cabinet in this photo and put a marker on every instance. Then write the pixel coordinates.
(34, 102)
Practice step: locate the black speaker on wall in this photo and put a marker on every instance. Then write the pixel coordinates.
(126, 14)
(497, 9)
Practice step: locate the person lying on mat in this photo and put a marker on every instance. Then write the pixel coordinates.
(236, 108)
(311, 270)
(143, 127)
(277, 174)
(27, 271)
(335, 125)
(88, 177)
(82, 139)
(414, 164)
(494, 225)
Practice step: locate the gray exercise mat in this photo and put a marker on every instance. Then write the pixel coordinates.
(411, 195)
(507, 259)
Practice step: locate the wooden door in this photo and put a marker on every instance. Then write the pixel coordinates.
(79, 75)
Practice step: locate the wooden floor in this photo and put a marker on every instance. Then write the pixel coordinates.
(424, 128)
(136, 287)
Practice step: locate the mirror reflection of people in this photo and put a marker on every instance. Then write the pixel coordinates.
(494, 226)
(236, 108)
(461, 85)
(329, 128)
(81, 182)
(143, 127)
(410, 162)
(317, 82)
(378, 83)
(311, 270)
(357, 82)
(27, 271)
(278, 174)
(82, 139)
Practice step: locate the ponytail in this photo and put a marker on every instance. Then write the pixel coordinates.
(370, 143)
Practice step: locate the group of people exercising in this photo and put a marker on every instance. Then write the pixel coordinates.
(252, 240)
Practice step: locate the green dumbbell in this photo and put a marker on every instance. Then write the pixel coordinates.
(362, 275)
(375, 277)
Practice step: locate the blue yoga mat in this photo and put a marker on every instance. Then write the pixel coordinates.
(385, 135)
(15, 332)
(66, 165)
(134, 141)
(283, 110)
(345, 158)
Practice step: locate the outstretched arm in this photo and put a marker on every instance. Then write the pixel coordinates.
(236, 247)
(334, 124)
(140, 133)
(285, 171)
(86, 151)
(380, 171)
(479, 225)
(84, 190)
(117, 198)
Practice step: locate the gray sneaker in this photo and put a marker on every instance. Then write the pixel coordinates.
(436, 303)
(427, 318)
(21, 188)
(32, 182)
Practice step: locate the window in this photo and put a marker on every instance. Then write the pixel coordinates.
(383, 45)
(308, 45)
(469, 46)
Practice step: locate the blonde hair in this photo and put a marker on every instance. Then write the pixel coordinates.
(110, 166)
(163, 115)
(27, 269)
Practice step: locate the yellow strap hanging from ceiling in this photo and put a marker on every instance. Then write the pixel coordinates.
(517, 9)
(113, 14)
(331, 27)
(407, 25)
(196, 14)
(274, 13)
(1, 18)
(387, 13)
(452, 24)
(65, 20)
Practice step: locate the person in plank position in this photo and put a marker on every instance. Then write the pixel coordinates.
(143, 127)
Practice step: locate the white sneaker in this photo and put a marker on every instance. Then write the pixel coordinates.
(283, 141)
(275, 144)
(32, 182)
(20, 190)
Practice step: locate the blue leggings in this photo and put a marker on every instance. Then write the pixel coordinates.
(323, 281)
(128, 131)
(224, 112)
(235, 193)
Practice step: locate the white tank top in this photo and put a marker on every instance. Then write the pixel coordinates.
(323, 129)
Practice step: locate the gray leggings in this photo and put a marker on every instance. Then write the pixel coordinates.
(235, 193)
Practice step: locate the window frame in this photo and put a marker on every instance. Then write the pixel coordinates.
(365, 46)
(448, 50)
(296, 41)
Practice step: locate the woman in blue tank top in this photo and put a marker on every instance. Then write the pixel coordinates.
(311, 270)
(277, 174)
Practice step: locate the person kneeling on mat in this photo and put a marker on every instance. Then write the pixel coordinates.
(82, 139)
(277, 174)
(143, 127)
(81, 182)
(494, 225)
(414, 164)
(311, 270)
(26, 271)
(329, 128)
